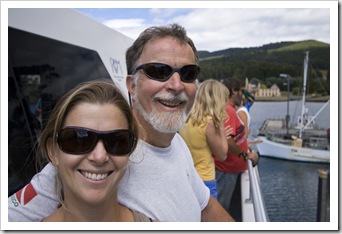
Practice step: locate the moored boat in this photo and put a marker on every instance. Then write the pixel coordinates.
(270, 148)
(303, 142)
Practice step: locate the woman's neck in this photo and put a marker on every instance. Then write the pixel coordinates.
(114, 213)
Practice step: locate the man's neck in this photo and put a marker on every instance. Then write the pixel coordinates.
(151, 136)
(231, 102)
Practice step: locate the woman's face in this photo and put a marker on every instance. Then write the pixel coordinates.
(92, 177)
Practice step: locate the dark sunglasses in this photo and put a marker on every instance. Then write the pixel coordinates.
(162, 72)
(77, 140)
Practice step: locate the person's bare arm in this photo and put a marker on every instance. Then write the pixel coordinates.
(217, 141)
(243, 116)
(235, 149)
(214, 212)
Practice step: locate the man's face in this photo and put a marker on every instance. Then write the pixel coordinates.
(237, 96)
(164, 104)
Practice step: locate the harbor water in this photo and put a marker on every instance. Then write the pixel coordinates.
(290, 189)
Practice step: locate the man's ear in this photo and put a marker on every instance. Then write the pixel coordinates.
(235, 92)
(130, 85)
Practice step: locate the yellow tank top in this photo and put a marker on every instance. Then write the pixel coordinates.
(195, 138)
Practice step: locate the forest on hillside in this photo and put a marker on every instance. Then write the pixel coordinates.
(265, 64)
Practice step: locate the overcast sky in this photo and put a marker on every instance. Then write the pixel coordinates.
(215, 29)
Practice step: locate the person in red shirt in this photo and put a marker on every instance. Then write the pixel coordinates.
(228, 172)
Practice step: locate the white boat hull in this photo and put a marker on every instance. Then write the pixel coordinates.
(272, 149)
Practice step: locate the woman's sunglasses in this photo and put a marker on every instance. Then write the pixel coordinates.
(162, 72)
(77, 140)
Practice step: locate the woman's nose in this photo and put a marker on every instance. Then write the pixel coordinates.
(99, 154)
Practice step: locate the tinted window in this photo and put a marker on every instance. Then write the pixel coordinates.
(40, 71)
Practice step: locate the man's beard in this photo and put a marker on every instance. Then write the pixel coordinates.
(166, 121)
(238, 101)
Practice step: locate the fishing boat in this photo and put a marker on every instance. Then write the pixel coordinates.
(303, 142)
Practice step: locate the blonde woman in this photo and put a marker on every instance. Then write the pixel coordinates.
(204, 132)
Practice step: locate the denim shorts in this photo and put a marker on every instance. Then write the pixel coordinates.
(225, 187)
(211, 184)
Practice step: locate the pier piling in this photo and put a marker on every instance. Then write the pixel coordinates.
(323, 201)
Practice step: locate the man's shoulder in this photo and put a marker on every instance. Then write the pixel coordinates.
(231, 113)
(230, 108)
(178, 140)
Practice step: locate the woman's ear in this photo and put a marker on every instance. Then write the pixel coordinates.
(52, 152)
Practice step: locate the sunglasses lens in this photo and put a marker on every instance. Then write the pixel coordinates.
(189, 73)
(118, 143)
(81, 141)
(76, 141)
(162, 72)
(158, 71)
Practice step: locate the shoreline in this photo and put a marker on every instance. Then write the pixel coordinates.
(293, 98)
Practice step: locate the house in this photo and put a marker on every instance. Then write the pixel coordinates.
(274, 91)
(257, 91)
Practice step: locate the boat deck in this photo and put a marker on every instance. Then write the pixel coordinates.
(275, 129)
(278, 127)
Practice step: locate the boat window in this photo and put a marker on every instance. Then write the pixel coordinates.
(40, 71)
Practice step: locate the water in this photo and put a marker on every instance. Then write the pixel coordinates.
(290, 189)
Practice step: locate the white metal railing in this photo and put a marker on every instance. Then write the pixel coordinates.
(255, 194)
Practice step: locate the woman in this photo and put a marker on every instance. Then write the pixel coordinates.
(242, 111)
(204, 132)
(88, 138)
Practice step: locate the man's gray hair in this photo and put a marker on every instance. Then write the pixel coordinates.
(176, 31)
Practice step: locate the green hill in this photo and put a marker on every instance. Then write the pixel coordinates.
(303, 45)
(264, 64)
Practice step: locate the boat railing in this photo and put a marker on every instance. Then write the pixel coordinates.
(255, 194)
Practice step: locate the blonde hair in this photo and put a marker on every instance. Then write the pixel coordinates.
(210, 100)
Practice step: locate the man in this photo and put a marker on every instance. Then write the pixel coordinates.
(161, 181)
(248, 99)
(243, 113)
(243, 108)
(229, 171)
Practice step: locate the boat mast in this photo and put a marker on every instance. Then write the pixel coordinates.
(306, 61)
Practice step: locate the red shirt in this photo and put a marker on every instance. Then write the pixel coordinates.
(233, 163)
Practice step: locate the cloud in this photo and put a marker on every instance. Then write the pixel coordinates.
(124, 23)
(215, 29)
(130, 27)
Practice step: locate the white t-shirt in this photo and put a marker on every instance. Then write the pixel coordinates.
(161, 183)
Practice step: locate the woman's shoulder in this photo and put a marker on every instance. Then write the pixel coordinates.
(242, 108)
(54, 217)
(139, 217)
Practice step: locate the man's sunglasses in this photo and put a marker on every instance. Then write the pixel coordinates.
(77, 140)
(162, 72)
